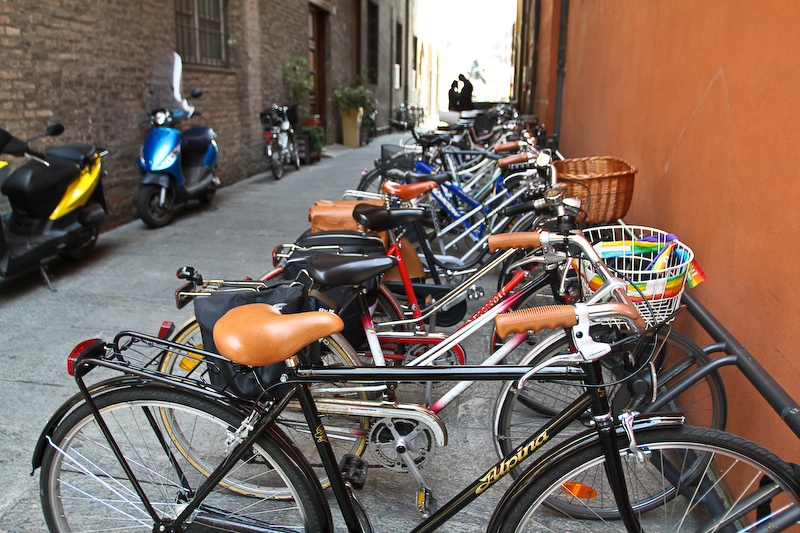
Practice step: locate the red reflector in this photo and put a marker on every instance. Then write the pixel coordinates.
(76, 351)
(268, 135)
(167, 327)
(275, 255)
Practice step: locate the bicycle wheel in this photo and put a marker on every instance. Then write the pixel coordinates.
(691, 479)
(83, 486)
(347, 434)
(371, 181)
(676, 356)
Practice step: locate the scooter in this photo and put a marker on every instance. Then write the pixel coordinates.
(176, 166)
(280, 143)
(57, 203)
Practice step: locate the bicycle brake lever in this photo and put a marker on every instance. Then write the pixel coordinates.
(588, 348)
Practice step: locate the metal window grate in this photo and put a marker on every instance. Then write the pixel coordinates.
(202, 39)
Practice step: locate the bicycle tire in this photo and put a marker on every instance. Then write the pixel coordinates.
(347, 435)
(83, 485)
(720, 469)
(371, 181)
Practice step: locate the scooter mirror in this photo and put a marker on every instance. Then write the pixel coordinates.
(196, 93)
(55, 129)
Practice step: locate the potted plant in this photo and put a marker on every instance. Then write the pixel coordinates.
(351, 102)
(297, 78)
(314, 142)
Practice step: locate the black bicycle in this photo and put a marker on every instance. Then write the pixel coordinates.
(157, 452)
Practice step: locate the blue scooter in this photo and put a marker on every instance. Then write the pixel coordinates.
(176, 166)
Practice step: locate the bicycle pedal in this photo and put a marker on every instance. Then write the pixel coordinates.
(426, 503)
(354, 470)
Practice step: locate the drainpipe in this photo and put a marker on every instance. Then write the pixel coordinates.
(406, 68)
(563, 26)
(535, 66)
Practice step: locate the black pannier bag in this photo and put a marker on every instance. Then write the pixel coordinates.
(286, 296)
(343, 242)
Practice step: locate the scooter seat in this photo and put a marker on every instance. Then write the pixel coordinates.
(197, 139)
(34, 190)
(79, 152)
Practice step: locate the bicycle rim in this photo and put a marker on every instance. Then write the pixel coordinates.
(691, 479)
(83, 486)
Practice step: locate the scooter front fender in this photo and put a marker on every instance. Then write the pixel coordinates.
(161, 152)
(161, 179)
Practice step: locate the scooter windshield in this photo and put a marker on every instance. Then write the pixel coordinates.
(165, 89)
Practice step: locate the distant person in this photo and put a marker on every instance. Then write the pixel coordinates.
(454, 97)
(466, 93)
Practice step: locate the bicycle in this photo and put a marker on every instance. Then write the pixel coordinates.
(95, 447)
(416, 348)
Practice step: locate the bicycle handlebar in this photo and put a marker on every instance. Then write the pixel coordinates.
(566, 316)
(545, 239)
(516, 159)
(508, 146)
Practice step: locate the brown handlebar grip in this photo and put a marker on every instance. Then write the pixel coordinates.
(507, 147)
(513, 160)
(521, 239)
(535, 319)
(624, 310)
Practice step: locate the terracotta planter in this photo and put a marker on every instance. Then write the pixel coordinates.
(351, 126)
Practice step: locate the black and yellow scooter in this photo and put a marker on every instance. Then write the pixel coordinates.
(56, 199)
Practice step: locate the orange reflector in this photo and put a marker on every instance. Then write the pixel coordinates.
(189, 363)
(579, 491)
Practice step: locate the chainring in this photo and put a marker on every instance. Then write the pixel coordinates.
(385, 435)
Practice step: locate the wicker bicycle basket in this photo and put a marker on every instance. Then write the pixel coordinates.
(654, 262)
(603, 184)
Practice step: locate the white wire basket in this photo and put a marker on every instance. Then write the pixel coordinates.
(654, 262)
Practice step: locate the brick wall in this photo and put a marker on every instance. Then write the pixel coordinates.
(88, 66)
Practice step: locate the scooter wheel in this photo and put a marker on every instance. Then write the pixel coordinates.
(277, 166)
(150, 209)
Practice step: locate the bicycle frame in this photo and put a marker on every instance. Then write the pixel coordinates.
(500, 303)
(593, 398)
(261, 420)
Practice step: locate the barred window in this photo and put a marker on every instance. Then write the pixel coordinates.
(202, 38)
(372, 42)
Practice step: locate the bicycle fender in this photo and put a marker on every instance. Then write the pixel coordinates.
(64, 410)
(577, 443)
(72, 403)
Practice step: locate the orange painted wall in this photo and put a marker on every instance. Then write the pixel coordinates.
(704, 97)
